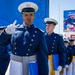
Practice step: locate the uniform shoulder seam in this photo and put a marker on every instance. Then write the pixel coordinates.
(40, 30)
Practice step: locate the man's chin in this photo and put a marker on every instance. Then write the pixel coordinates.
(28, 24)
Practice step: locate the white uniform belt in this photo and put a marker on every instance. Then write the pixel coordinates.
(24, 60)
(20, 58)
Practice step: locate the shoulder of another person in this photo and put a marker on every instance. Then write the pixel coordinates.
(59, 35)
(56, 34)
(39, 30)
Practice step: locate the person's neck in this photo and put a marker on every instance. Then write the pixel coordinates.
(27, 25)
(50, 33)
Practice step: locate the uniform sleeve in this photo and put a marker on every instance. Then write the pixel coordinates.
(3, 53)
(66, 56)
(4, 39)
(42, 56)
(70, 55)
(62, 52)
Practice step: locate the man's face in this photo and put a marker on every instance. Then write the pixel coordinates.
(50, 28)
(28, 18)
(71, 16)
(72, 43)
(66, 44)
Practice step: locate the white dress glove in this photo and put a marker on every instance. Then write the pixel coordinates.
(11, 28)
(66, 66)
(59, 68)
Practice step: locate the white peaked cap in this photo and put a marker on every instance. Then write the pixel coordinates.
(27, 5)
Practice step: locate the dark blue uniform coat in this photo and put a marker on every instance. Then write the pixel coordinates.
(28, 41)
(4, 59)
(69, 55)
(56, 46)
(73, 48)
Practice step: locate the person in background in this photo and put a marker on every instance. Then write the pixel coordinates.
(68, 66)
(70, 19)
(72, 44)
(74, 19)
(55, 46)
(69, 22)
(4, 56)
(27, 42)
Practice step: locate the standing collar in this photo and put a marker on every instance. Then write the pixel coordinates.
(50, 33)
(26, 27)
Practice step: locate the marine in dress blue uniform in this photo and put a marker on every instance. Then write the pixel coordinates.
(69, 56)
(72, 44)
(27, 43)
(4, 56)
(69, 52)
(55, 43)
(70, 19)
